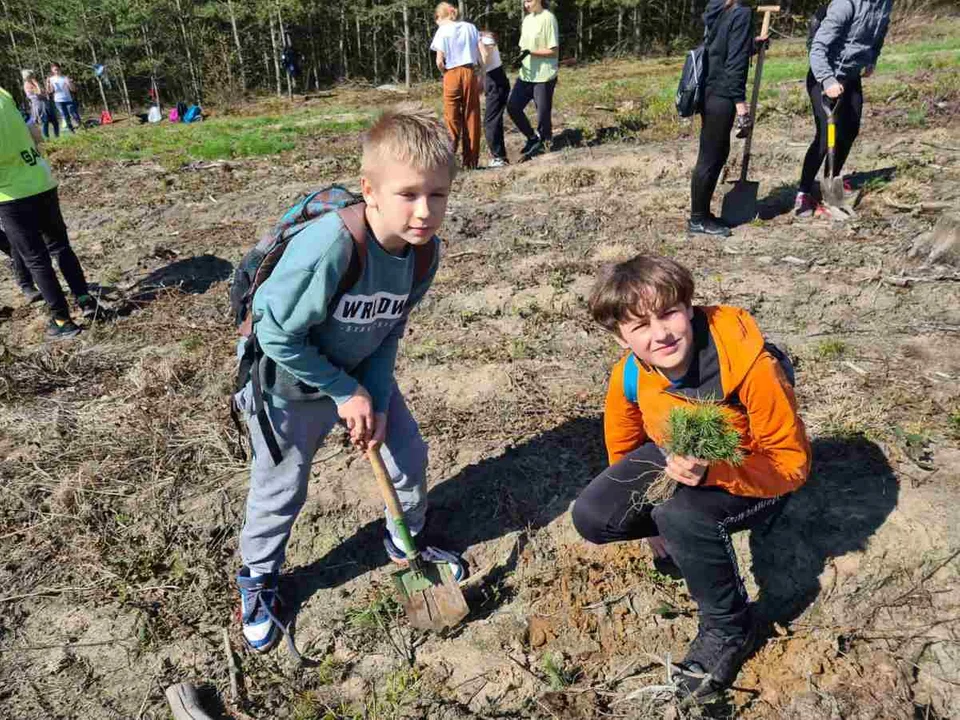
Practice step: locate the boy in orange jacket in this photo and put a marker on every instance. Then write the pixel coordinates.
(680, 354)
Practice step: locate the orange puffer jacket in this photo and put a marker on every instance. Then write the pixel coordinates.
(736, 370)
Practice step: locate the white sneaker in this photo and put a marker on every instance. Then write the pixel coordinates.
(498, 163)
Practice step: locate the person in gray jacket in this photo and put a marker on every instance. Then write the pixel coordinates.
(844, 47)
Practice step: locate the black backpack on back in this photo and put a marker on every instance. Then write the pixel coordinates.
(693, 77)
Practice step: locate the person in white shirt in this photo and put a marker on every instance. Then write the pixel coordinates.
(497, 90)
(62, 88)
(458, 55)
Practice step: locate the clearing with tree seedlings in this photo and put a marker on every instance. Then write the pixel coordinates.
(122, 485)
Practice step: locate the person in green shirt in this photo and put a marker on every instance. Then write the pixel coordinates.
(31, 218)
(539, 46)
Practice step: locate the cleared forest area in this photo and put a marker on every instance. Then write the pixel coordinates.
(122, 488)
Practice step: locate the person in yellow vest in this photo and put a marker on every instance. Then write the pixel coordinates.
(30, 216)
(539, 59)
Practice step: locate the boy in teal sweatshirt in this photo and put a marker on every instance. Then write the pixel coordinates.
(330, 359)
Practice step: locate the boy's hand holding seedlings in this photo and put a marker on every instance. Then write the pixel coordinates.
(686, 470)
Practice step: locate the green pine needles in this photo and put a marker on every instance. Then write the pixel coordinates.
(701, 431)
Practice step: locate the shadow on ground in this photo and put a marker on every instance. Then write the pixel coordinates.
(779, 201)
(193, 276)
(525, 488)
(851, 491)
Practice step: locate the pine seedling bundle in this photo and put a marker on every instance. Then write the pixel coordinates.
(701, 431)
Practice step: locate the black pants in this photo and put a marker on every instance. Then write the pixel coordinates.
(20, 272)
(717, 122)
(846, 116)
(497, 90)
(696, 524)
(542, 96)
(36, 230)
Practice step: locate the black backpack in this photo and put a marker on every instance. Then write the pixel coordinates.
(260, 261)
(689, 97)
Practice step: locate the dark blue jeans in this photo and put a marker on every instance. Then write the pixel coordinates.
(69, 110)
(497, 90)
(542, 95)
(49, 118)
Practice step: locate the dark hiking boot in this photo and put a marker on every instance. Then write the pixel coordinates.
(533, 147)
(713, 662)
(61, 330)
(707, 226)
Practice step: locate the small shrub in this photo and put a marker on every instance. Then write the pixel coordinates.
(953, 423)
(831, 349)
(558, 675)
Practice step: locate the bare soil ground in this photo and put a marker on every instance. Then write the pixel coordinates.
(123, 490)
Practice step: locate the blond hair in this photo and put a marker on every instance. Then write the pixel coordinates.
(645, 283)
(411, 135)
(446, 11)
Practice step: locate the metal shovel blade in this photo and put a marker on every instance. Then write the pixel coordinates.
(832, 191)
(430, 596)
(740, 203)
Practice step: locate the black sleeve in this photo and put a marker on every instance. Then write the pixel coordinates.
(739, 46)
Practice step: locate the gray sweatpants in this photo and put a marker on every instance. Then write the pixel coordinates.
(277, 492)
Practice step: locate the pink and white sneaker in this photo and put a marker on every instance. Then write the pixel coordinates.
(804, 206)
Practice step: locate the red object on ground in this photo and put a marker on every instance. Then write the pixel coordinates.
(106, 118)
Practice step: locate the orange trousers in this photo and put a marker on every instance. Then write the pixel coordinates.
(461, 111)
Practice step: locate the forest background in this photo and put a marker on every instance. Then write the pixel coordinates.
(216, 52)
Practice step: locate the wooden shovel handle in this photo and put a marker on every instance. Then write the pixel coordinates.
(387, 490)
(767, 10)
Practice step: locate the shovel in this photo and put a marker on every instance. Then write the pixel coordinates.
(740, 202)
(428, 591)
(831, 188)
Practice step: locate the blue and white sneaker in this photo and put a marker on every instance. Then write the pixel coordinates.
(260, 607)
(430, 554)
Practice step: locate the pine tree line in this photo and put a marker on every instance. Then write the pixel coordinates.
(217, 51)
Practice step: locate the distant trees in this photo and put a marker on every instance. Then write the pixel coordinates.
(215, 51)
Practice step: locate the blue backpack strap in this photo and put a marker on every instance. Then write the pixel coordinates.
(631, 374)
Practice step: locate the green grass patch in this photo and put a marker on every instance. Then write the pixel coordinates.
(832, 349)
(558, 675)
(376, 614)
(953, 424)
(219, 138)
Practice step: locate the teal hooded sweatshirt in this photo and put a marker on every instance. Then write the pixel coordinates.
(315, 350)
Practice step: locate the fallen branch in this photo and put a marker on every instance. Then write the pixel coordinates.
(908, 280)
(919, 207)
(940, 147)
(465, 253)
(903, 596)
(232, 670)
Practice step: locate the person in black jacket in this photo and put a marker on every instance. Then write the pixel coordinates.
(729, 28)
